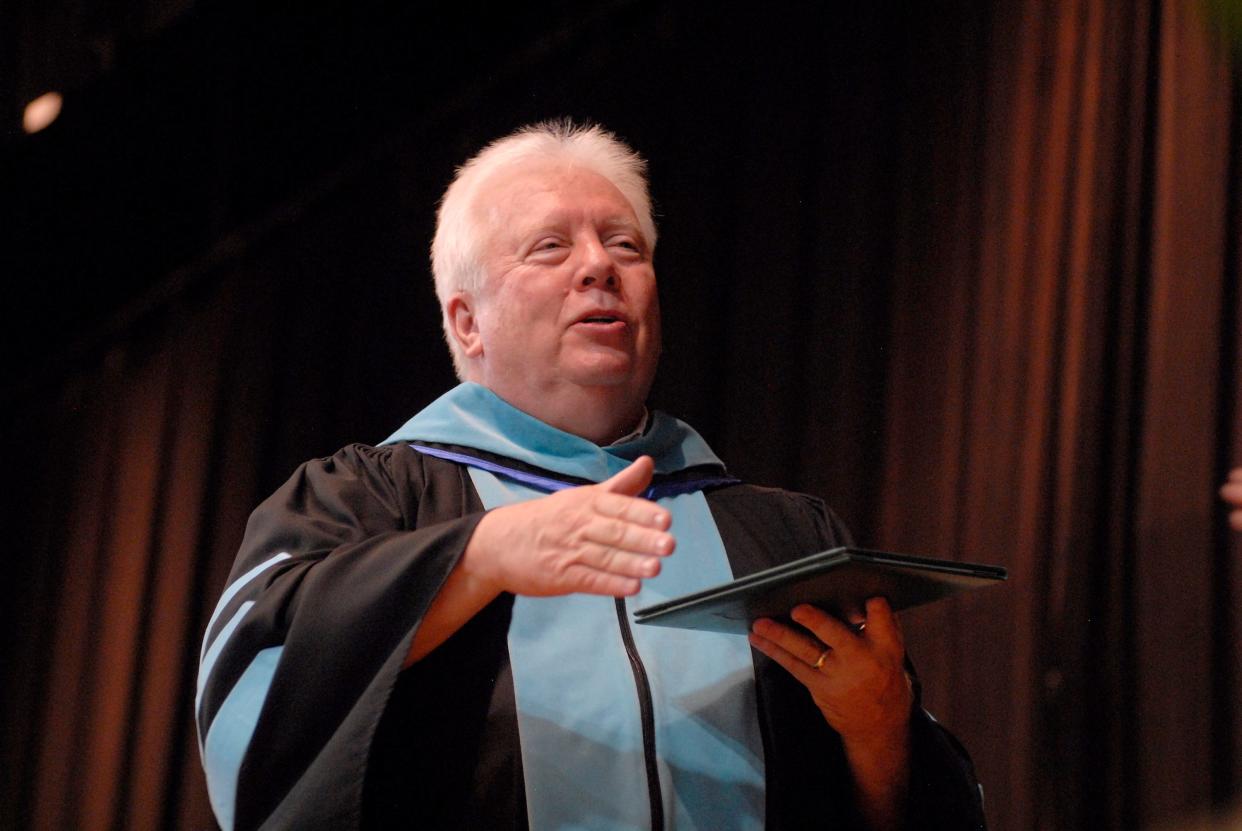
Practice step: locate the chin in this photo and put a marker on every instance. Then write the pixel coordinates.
(596, 369)
(612, 371)
(598, 378)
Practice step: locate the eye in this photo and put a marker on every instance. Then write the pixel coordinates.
(547, 248)
(627, 243)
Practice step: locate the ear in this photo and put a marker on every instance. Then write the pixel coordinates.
(464, 324)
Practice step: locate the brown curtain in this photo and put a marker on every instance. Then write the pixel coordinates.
(1062, 401)
(1023, 351)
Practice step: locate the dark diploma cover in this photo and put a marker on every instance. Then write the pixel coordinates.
(839, 581)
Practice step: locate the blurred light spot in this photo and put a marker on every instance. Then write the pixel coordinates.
(41, 112)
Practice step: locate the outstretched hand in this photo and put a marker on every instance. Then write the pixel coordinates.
(596, 539)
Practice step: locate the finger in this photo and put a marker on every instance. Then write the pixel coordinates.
(611, 561)
(799, 644)
(1232, 492)
(632, 509)
(587, 580)
(827, 628)
(633, 480)
(806, 674)
(627, 536)
(1235, 475)
(882, 627)
(1235, 520)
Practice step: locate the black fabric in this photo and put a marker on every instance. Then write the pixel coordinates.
(444, 750)
(349, 740)
(372, 540)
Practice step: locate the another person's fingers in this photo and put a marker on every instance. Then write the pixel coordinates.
(1231, 492)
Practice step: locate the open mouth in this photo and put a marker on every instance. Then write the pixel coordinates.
(602, 317)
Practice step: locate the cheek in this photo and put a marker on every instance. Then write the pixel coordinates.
(524, 316)
(499, 328)
(654, 338)
(650, 301)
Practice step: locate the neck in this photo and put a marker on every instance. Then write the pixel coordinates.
(598, 414)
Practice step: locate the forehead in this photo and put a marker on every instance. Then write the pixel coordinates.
(523, 199)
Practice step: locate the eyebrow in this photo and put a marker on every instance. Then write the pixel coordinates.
(558, 220)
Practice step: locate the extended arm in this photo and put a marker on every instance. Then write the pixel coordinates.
(349, 563)
(596, 539)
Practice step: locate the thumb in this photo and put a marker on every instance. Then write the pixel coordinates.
(633, 480)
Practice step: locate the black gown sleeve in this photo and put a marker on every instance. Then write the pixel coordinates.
(336, 570)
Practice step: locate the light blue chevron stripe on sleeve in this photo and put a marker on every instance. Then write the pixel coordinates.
(229, 593)
(213, 654)
(231, 731)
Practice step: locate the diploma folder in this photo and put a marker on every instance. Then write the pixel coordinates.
(839, 581)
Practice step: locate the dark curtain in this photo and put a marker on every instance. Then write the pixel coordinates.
(1061, 397)
(969, 273)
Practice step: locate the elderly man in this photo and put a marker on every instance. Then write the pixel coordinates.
(436, 632)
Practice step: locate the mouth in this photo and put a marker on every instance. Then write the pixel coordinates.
(602, 319)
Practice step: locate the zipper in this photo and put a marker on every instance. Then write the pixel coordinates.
(646, 712)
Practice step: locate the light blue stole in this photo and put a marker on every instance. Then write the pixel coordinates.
(577, 705)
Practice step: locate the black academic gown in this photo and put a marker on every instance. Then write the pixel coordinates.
(347, 739)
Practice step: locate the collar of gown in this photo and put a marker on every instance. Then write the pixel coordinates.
(471, 415)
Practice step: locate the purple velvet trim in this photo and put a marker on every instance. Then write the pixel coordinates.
(549, 485)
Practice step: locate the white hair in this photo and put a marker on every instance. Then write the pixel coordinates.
(456, 251)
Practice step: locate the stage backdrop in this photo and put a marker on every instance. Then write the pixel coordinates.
(970, 274)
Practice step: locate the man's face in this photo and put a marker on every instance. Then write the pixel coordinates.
(570, 292)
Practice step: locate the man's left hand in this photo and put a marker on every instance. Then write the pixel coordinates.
(858, 681)
(860, 685)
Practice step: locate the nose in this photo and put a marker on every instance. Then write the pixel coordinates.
(608, 281)
(596, 269)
